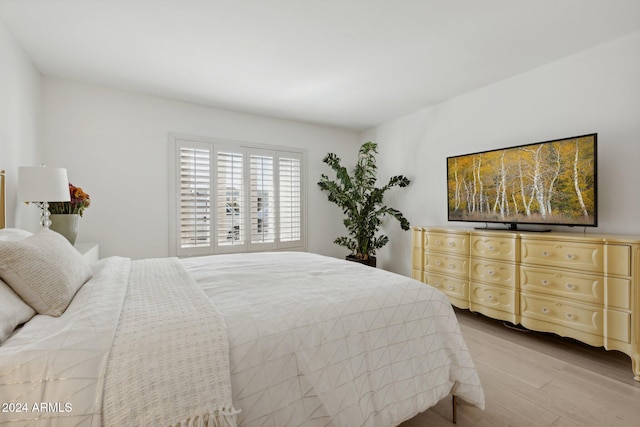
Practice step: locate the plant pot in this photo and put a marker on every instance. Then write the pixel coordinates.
(371, 262)
(66, 224)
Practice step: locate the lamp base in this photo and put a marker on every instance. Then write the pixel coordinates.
(45, 221)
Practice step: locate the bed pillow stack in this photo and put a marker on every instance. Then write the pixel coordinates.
(44, 270)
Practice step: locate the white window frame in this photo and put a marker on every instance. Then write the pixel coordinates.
(214, 145)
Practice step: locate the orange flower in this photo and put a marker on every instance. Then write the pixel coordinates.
(79, 202)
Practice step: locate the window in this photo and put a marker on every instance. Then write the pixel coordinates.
(235, 197)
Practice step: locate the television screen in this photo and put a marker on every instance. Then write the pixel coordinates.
(551, 182)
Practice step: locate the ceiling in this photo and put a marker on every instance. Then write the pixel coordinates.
(346, 63)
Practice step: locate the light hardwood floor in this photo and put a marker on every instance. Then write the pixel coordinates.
(535, 379)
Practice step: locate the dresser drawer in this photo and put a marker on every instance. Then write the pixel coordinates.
(457, 244)
(617, 325)
(580, 287)
(498, 248)
(617, 293)
(582, 256)
(493, 297)
(581, 317)
(453, 286)
(448, 264)
(618, 260)
(586, 256)
(493, 272)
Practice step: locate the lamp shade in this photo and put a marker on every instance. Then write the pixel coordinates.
(43, 184)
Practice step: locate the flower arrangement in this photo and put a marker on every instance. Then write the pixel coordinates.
(79, 202)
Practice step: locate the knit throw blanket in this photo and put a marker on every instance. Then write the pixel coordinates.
(169, 365)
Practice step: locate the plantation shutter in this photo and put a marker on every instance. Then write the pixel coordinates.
(234, 197)
(230, 198)
(262, 198)
(290, 198)
(194, 232)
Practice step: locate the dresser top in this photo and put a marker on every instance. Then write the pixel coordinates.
(536, 235)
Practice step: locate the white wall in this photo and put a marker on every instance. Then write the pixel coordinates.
(597, 90)
(115, 146)
(20, 119)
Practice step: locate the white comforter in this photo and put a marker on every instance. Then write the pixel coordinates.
(313, 341)
(317, 341)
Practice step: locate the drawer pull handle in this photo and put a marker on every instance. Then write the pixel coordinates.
(545, 282)
(491, 248)
(568, 286)
(438, 242)
(545, 253)
(545, 310)
(490, 272)
(569, 256)
(569, 316)
(451, 265)
(452, 244)
(438, 263)
(450, 287)
(437, 284)
(490, 297)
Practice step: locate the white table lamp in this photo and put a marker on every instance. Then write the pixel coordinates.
(41, 185)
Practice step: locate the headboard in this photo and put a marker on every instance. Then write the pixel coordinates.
(2, 201)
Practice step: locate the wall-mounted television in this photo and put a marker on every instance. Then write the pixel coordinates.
(551, 183)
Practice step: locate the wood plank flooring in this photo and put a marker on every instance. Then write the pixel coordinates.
(535, 379)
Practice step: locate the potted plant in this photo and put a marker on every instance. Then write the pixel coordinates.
(362, 203)
(65, 215)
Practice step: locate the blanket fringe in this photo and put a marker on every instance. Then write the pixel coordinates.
(224, 416)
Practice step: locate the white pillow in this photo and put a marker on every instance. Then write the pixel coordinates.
(13, 234)
(13, 311)
(44, 270)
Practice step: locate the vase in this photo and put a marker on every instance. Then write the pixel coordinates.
(66, 224)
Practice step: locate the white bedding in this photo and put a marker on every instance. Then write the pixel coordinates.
(312, 341)
(59, 362)
(319, 341)
(140, 344)
(169, 363)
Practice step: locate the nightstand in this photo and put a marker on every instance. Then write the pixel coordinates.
(90, 251)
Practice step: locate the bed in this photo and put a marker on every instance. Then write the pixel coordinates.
(266, 339)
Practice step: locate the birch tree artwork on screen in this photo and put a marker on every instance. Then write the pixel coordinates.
(552, 182)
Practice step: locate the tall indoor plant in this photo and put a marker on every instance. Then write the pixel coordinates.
(362, 202)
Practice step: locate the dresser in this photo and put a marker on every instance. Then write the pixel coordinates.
(583, 286)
